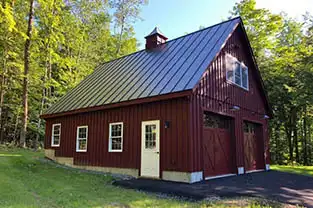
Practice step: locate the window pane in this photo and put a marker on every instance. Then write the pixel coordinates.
(82, 133)
(245, 77)
(245, 127)
(56, 129)
(150, 136)
(211, 120)
(82, 144)
(148, 128)
(116, 143)
(237, 69)
(56, 140)
(237, 73)
(56, 132)
(230, 68)
(116, 130)
(230, 75)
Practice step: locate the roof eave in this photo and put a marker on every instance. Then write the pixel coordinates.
(168, 96)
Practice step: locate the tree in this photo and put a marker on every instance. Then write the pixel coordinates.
(43, 60)
(127, 12)
(26, 71)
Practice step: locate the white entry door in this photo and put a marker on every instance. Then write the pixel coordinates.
(150, 149)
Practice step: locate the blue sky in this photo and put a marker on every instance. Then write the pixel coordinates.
(178, 17)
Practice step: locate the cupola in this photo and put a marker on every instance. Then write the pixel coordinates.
(154, 39)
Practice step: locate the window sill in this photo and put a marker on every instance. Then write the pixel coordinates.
(55, 145)
(81, 150)
(239, 86)
(115, 150)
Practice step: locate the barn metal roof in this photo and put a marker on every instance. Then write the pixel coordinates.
(177, 66)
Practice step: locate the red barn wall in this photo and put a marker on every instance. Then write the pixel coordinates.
(175, 145)
(213, 93)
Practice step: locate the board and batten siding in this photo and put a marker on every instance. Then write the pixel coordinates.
(214, 94)
(175, 145)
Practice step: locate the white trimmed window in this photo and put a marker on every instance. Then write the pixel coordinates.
(116, 137)
(81, 139)
(236, 72)
(56, 135)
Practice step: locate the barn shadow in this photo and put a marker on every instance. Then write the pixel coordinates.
(280, 186)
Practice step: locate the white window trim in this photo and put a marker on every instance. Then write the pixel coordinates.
(52, 135)
(110, 137)
(242, 65)
(77, 134)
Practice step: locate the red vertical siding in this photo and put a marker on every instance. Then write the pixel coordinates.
(215, 94)
(174, 141)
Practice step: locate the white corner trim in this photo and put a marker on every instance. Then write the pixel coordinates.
(267, 167)
(219, 176)
(186, 177)
(196, 176)
(241, 170)
(254, 171)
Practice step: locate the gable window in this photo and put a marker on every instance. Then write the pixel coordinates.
(236, 72)
(56, 135)
(81, 139)
(116, 137)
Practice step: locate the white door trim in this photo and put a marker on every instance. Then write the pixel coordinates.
(254, 171)
(150, 157)
(219, 176)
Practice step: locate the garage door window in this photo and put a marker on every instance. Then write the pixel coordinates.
(215, 121)
(249, 127)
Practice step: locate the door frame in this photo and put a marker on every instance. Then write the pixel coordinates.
(143, 123)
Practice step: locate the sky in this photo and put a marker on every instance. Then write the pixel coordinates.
(178, 17)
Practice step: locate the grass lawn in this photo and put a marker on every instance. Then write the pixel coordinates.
(303, 170)
(27, 180)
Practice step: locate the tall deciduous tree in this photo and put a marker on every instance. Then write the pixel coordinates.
(126, 13)
(26, 71)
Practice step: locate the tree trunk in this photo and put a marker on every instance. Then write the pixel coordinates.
(3, 82)
(15, 128)
(289, 137)
(2, 91)
(25, 79)
(295, 134)
(277, 145)
(43, 98)
(119, 44)
(309, 142)
(305, 153)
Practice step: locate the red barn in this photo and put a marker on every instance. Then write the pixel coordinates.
(188, 109)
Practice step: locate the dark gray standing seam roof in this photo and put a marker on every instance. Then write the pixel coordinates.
(177, 66)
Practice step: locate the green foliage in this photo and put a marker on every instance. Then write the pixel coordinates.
(69, 39)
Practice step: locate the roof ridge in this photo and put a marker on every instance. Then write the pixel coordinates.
(238, 17)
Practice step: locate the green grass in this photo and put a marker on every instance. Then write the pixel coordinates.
(303, 170)
(27, 180)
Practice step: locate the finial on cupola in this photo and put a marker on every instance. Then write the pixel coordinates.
(155, 38)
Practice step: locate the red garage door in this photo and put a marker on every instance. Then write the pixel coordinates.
(253, 147)
(217, 145)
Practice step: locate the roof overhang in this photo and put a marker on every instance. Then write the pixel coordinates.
(120, 104)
